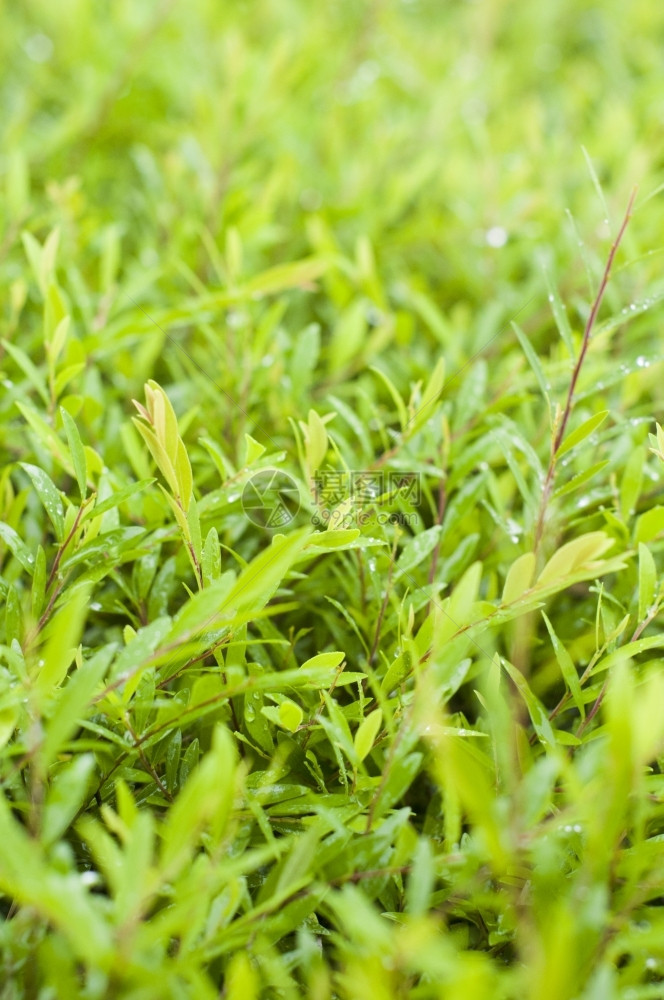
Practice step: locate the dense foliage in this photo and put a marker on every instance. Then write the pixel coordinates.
(330, 519)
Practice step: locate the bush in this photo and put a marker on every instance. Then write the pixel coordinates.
(329, 666)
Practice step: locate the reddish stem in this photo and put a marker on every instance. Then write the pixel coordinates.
(585, 343)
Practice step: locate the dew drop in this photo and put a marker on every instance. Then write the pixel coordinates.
(496, 237)
(38, 48)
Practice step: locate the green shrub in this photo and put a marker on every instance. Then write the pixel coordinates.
(330, 507)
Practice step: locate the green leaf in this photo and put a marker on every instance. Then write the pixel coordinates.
(253, 450)
(396, 397)
(211, 560)
(582, 432)
(422, 878)
(49, 496)
(58, 899)
(68, 792)
(596, 183)
(76, 451)
(325, 660)
(567, 668)
(165, 423)
(533, 359)
(65, 375)
(13, 617)
(427, 403)
(316, 442)
(349, 335)
(159, 454)
(536, 710)
(297, 274)
(63, 634)
(72, 704)
(46, 435)
(630, 484)
(647, 581)
(9, 716)
(416, 550)
(583, 552)
(519, 577)
(25, 364)
(304, 358)
(290, 715)
(18, 548)
(184, 475)
(367, 732)
(205, 801)
(650, 524)
(335, 539)
(580, 479)
(38, 584)
(465, 594)
(115, 499)
(560, 314)
(257, 583)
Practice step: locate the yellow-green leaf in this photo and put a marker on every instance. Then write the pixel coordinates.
(290, 715)
(647, 580)
(582, 432)
(519, 577)
(582, 552)
(367, 732)
(316, 442)
(183, 473)
(332, 659)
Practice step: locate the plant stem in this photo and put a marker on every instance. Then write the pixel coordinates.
(585, 343)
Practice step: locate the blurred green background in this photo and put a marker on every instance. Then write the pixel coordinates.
(437, 149)
(419, 124)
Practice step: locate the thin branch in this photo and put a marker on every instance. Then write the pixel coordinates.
(585, 343)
